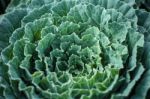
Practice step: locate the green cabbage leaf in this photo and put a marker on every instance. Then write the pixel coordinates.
(72, 49)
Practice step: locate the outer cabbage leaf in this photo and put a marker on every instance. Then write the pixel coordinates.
(143, 85)
(9, 22)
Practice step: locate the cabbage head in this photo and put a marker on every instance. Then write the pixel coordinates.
(74, 49)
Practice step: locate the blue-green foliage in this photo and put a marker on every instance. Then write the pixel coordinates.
(72, 49)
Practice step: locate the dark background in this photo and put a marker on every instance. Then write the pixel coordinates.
(3, 5)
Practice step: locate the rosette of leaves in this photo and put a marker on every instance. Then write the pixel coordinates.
(71, 49)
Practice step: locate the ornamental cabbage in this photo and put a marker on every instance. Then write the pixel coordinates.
(72, 49)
